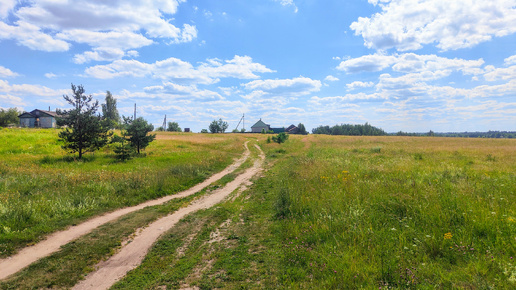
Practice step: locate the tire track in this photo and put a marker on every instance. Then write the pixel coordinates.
(29, 255)
(132, 254)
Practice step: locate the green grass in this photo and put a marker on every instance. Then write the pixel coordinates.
(341, 212)
(43, 189)
(355, 212)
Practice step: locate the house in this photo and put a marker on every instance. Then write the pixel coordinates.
(259, 126)
(292, 129)
(38, 119)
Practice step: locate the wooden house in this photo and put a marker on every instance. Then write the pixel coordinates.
(38, 119)
(259, 126)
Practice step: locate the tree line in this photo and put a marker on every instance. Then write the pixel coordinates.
(350, 130)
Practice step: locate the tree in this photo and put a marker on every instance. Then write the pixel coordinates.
(280, 138)
(109, 110)
(204, 131)
(173, 127)
(138, 133)
(9, 116)
(218, 126)
(302, 129)
(85, 130)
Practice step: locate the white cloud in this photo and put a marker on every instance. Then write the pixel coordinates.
(180, 91)
(410, 63)
(28, 90)
(288, 3)
(410, 24)
(6, 73)
(51, 25)
(299, 86)
(359, 84)
(510, 60)
(331, 78)
(173, 69)
(30, 36)
(6, 6)
(367, 63)
(50, 75)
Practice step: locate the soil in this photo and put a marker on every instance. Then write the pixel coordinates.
(53, 242)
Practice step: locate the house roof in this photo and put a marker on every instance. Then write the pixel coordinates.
(38, 113)
(291, 127)
(259, 124)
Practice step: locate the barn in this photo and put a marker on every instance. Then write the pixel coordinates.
(38, 119)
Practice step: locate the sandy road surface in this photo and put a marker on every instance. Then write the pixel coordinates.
(53, 242)
(132, 254)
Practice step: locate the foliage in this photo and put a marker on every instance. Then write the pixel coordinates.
(351, 130)
(85, 131)
(489, 134)
(302, 129)
(9, 116)
(173, 127)
(123, 150)
(204, 131)
(280, 138)
(110, 112)
(218, 126)
(137, 133)
(160, 129)
(242, 130)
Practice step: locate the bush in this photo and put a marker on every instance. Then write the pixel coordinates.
(280, 138)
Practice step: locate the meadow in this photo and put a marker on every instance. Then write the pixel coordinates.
(329, 212)
(354, 212)
(43, 188)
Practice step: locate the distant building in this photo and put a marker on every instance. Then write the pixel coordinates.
(292, 129)
(187, 130)
(259, 126)
(38, 119)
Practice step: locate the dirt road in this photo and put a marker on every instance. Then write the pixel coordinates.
(132, 254)
(53, 242)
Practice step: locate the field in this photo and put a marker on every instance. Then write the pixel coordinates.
(42, 188)
(328, 212)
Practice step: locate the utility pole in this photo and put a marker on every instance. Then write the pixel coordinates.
(134, 111)
(165, 123)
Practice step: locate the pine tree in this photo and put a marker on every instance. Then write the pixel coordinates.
(85, 131)
(109, 110)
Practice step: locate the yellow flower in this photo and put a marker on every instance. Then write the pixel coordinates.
(448, 236)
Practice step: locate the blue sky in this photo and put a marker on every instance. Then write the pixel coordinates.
(407, 65)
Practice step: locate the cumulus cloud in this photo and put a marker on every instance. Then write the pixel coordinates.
(331, 78)
(174, 69)
(367, 63)
(6, 6)
(50, 25)
(183, 92)
(299, 86)
(410, 63)
(9, 90)
(410, 24)
(359, 84)
(5, 72)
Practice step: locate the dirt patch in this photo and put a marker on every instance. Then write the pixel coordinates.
(130, 256)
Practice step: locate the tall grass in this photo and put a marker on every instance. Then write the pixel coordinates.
(419, 212)
(43, 189)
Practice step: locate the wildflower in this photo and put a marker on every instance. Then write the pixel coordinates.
(448, 236)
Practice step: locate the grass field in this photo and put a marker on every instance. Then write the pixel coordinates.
(355, 212)
(329, 212)
(42, 188)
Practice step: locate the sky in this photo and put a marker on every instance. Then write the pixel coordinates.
(400, 65)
